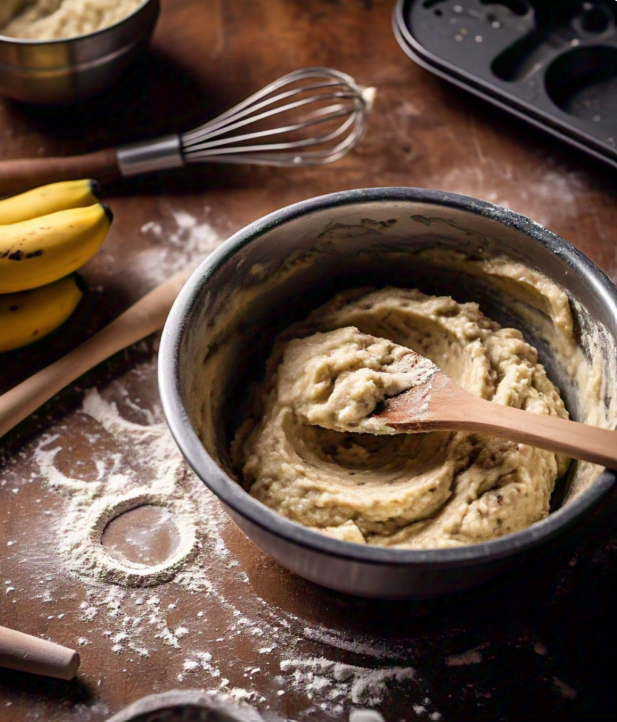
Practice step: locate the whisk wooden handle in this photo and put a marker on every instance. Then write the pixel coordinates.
(23, 174)
(331, 111)
(38, 656)
(139, 321)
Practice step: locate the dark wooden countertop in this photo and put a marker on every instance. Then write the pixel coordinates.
(538, 645)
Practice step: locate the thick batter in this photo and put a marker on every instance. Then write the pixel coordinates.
(310, 452)
(55, 19)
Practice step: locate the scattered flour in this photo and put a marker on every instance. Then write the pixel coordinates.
(365, 715)
(564, 689)
(136, 609)
(176, 248)
(473, 656)
(549, 195)
(343, 681)
(118, 488)
(333, 638)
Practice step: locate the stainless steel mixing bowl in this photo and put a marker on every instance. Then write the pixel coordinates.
(276, 270)
(55, 72)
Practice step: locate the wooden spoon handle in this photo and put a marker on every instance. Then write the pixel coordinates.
(561, 436)
(140, 320)
(451, 408)
(23, 174)
(38, 656)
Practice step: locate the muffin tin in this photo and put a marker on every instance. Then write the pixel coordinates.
(553, 64)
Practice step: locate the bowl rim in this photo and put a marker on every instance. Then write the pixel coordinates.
(84, 36)
(234, 496)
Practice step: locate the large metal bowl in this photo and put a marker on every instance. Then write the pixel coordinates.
(275, 270)
(57, 72)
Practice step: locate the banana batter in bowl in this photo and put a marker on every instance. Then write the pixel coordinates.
(516, 287)
(309, 451)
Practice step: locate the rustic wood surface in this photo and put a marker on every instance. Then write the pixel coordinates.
(537, 645)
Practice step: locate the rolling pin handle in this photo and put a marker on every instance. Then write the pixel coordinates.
(25, 653)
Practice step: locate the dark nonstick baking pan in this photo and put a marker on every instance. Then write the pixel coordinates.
(552, 63)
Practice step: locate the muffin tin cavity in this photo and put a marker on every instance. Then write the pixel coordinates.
(583, 82)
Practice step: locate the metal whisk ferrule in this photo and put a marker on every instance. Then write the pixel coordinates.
(324, 113)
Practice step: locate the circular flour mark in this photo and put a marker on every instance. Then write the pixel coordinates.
(147, 535)
(167, 536)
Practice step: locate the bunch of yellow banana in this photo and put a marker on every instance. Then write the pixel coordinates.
(46, 235)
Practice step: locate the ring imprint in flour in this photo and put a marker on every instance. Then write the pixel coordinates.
(135, 574)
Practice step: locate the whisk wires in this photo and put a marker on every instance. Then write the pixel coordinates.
(322, 115)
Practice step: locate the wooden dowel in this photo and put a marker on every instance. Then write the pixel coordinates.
(140, 320)
(25, 653)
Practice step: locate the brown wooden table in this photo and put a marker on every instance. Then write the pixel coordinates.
(537, 645)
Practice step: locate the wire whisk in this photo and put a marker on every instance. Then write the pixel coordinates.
(306, 118)
(321, 115)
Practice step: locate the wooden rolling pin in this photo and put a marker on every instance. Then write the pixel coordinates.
(38, 656)
(140, 320)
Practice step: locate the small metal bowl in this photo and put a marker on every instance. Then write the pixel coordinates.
(186, 706)
(273, 272)
(59, 72)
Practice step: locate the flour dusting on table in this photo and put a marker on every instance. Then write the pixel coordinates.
(137, 613)
(179, 241)
(339, 681)
(158, 478)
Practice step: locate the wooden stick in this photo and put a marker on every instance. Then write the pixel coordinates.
(443, 405)
(143, 318)
(38, 656)
(23, 174)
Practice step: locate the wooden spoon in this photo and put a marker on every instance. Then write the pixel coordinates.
(140, 320)
(440, 404)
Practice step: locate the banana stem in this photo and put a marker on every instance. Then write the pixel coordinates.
(140, 320)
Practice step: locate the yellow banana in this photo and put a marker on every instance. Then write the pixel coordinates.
(28, 316)
(36, 252)
(49, 199)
